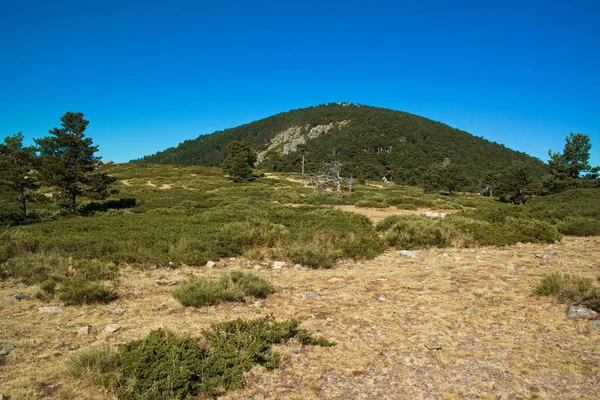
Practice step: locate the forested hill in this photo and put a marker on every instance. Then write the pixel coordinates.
(367, 141)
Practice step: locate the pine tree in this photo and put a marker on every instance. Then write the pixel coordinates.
(17, 170)
(69, 163)
(239, 162)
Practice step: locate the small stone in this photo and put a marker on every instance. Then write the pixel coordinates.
(117, 311)
(331, 378)
(84, 330)
(112, 328)
(433, 345)
(594, 324)
(457, 258)
(483, 252)
(509, 266)
(406, 253)
(20, 297)
(137, 292)
(178, 272)
(310, 295)
(211, 264)
(496, 289)
(334, 280)
(428, 267)
(445, 255)
(381, 298)
(544, 256)
(3, 397)
(259, 303)
(279, 265)
(257, 267)
(164, 282)
(6, 348)
(50, 309)
(577, 311)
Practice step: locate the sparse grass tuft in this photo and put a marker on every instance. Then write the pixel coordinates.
(197, 292)
(566, 287)
(99, 364)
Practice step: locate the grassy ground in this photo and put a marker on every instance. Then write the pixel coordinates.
(497, 339)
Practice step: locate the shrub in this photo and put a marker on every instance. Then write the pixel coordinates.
(416, 232)
(579, 226)
(532, 230)
(198, 292)
(77, 292)
(565, 287)
(371, 203)
(165, 365)
(311, 255)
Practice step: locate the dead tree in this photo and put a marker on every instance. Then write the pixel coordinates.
(329, 175)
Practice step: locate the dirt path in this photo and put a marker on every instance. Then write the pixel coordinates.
(377, 214)
(497, 340)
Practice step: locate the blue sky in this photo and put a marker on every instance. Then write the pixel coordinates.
(150, 74)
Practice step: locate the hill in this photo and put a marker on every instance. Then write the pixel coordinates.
(368, 141)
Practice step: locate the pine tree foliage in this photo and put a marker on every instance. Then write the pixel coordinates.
(239, 162)
(69, 163)
(17, 170)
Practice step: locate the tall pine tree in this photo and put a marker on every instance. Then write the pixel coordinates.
(69, 163)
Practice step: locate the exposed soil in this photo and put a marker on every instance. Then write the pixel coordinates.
(377, 214)
(497, 340)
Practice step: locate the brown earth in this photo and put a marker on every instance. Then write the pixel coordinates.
(498, 341)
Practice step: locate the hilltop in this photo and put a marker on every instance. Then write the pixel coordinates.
(368, 141)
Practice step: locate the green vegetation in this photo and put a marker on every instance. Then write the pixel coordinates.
(198, 292)
(373, 142)
(572, 168)
(239, 162)
(166, 365)
(566, 287)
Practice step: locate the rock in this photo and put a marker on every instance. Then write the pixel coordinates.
(257, 267)
(445, 255)
(577, 311)
(279, 264)
(331, 378)
(457, 258)
(509, 266)
(381, 298)
(428, 267)
(433, 214)
(406, 253)
(178, 272)
(85, 330)
(211, 264)
(433, 345)
(112, 328)
(544, 256)
(3, 397)
(483, 252)
(594, 324)
(259, 303)
(137, 292)
(6, 348)
(470, 310)
(117, 311)
(310, 295)
(164, 282)
(20, 297)
(335, 280)
(297, 266)
(50, 309)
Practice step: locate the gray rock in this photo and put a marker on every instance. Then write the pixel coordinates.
(544, 256)
(406, 253)
(137, 292)
(382, 298)
(3, 397)
(117, 311)
(6, 348)
(577, 311)
(310, 295)
(20, 297)
(211, 264)
(112, 328)
(433, 345)
(428, 267)
(594, 324)
(50, 309)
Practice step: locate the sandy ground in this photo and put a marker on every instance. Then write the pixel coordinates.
(497, 340)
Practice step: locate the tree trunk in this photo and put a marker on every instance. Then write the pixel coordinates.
(303, 166)
(72, 205)
(23, 204)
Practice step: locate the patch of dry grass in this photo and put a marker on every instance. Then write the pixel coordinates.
(498, 340)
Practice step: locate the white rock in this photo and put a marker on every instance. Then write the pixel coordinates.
(84, 330)
(279, 264)
(50, 309)
(381, 298)
(112, 328)
(211, 264)
(407, 253)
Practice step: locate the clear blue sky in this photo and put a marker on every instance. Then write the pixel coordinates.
(150, 74)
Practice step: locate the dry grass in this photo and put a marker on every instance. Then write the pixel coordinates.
(498, 340)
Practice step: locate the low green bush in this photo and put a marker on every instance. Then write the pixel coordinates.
(416, 232)
(198, 292)
(311, 255)
(579, 226)
(371, 203)
(165, 365)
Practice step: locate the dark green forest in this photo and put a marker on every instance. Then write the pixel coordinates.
(375, 141)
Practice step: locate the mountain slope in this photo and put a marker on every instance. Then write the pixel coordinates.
(368, 141)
